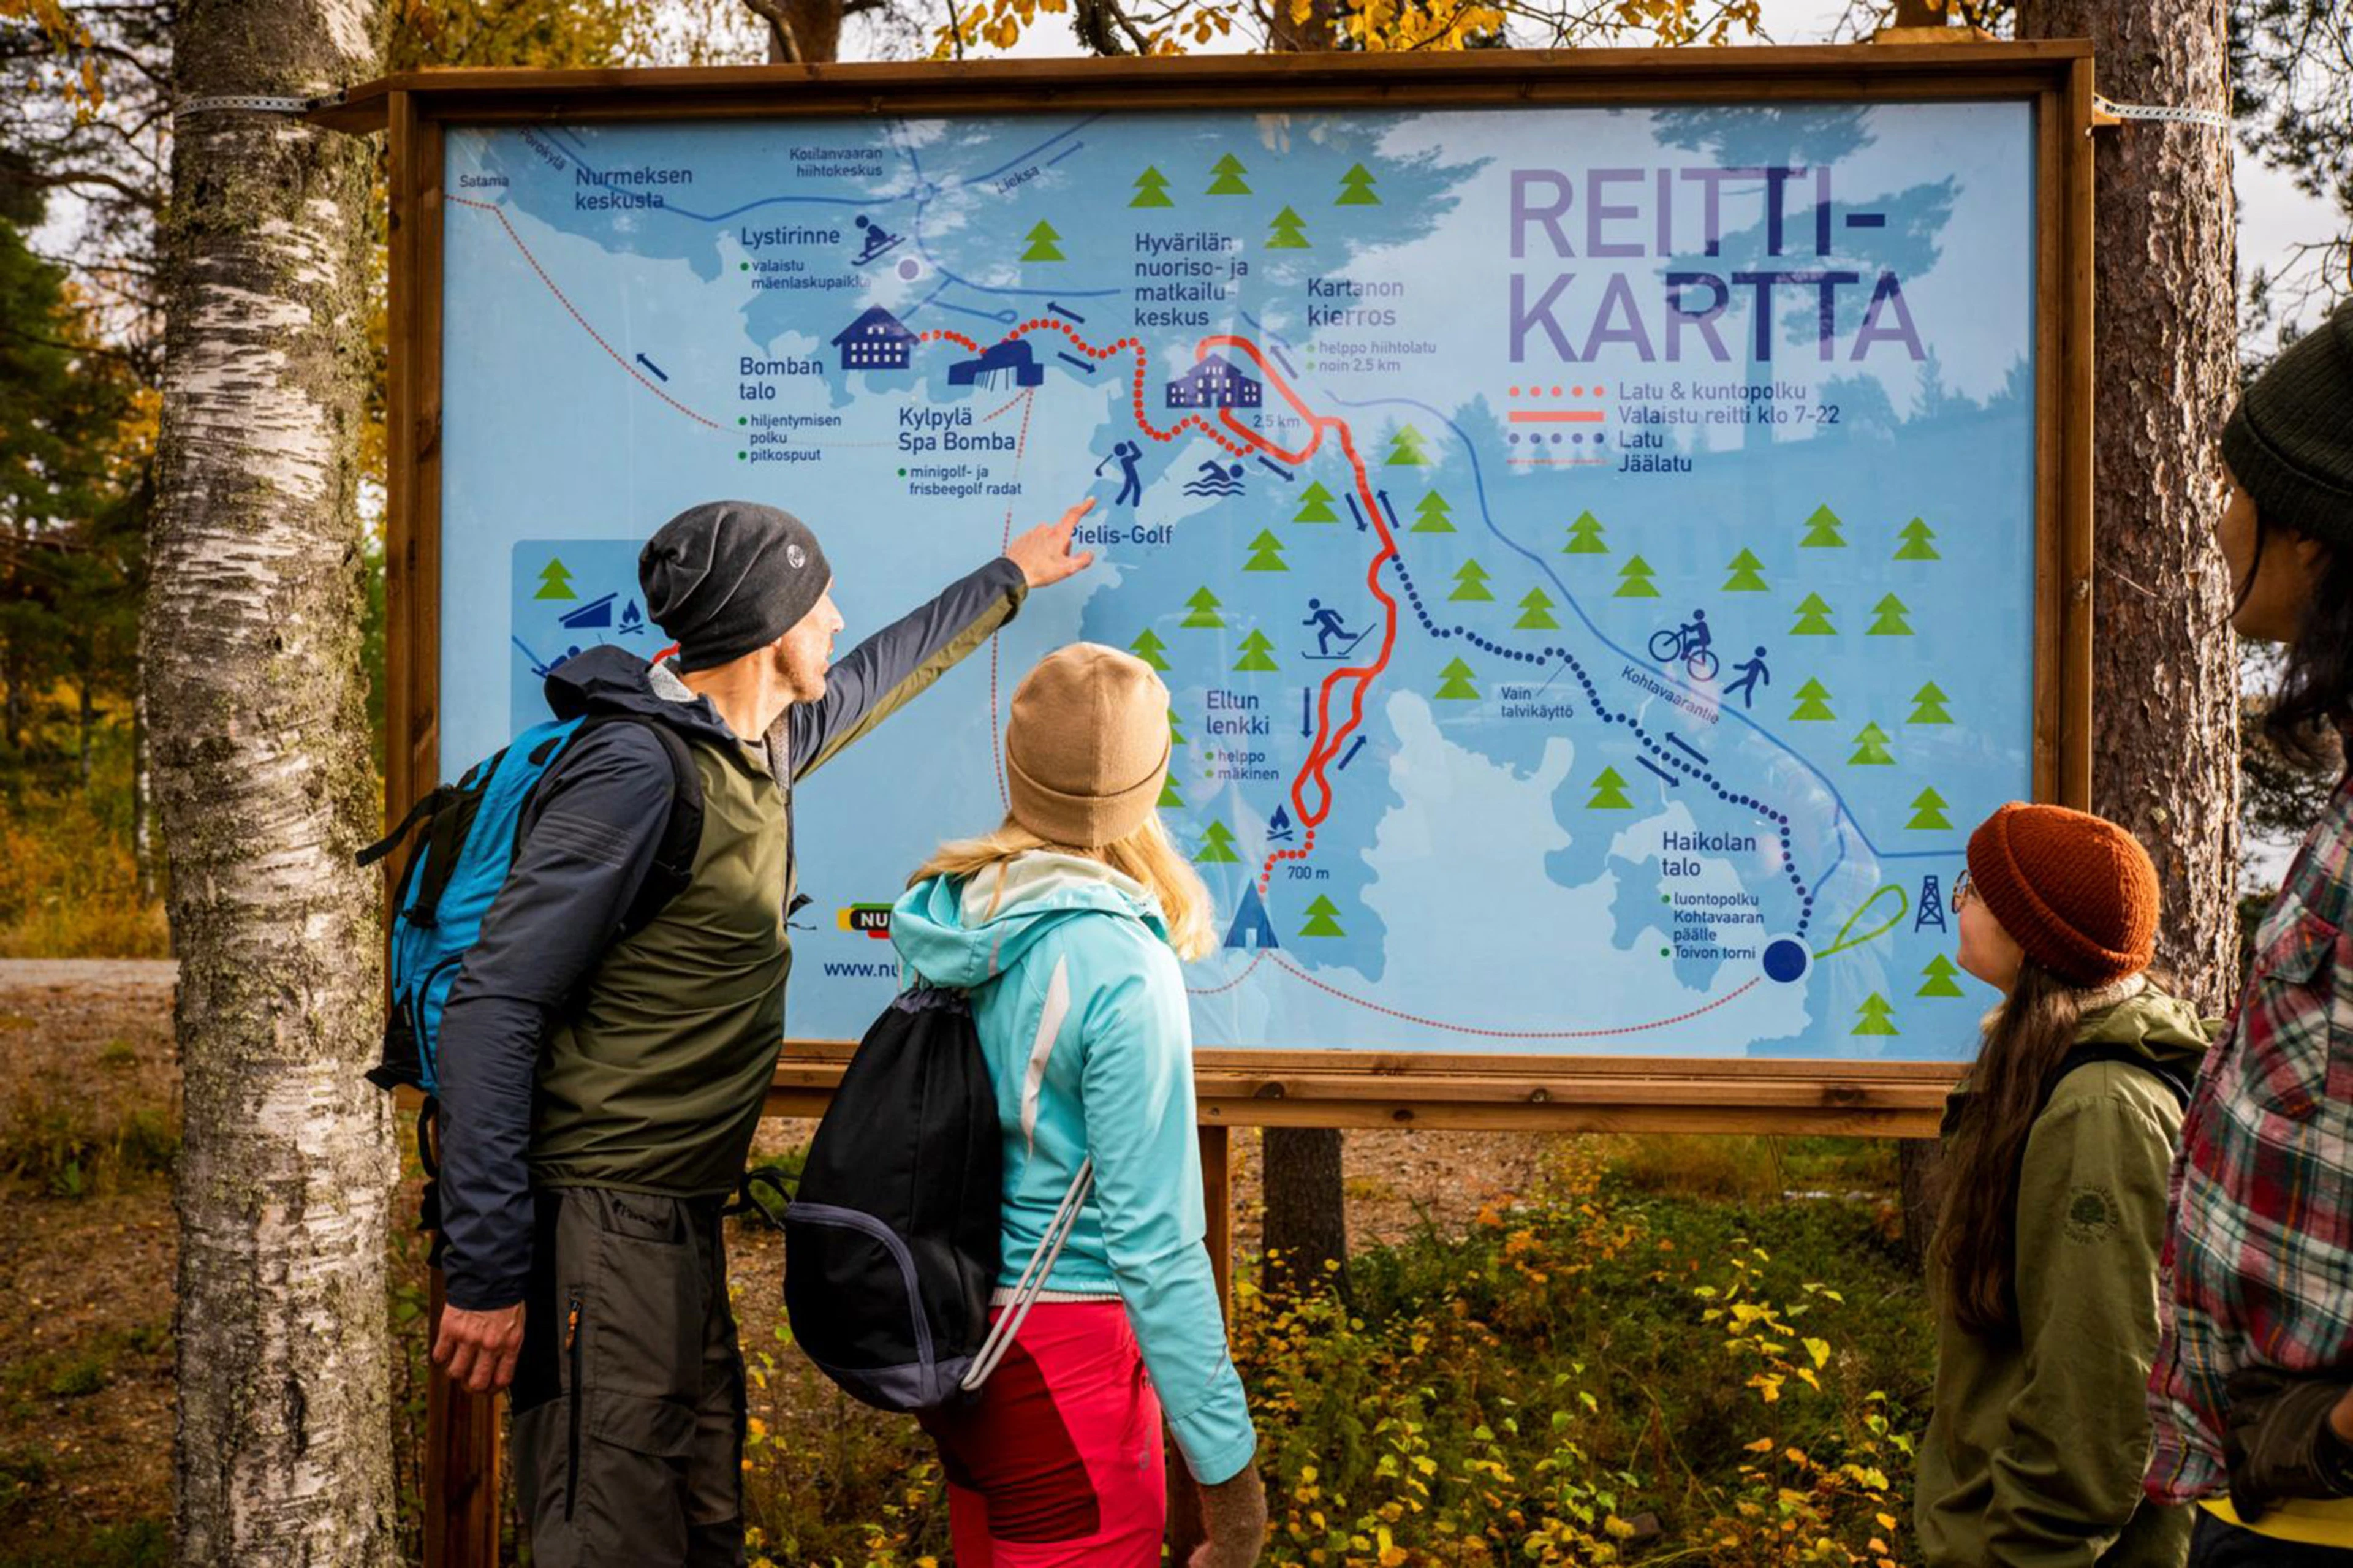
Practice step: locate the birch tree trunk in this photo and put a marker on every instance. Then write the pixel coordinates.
(2165, 666)
(255, 693)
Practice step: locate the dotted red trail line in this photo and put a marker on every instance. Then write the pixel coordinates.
(1295, 971)
(651, 386)
(1257, 958)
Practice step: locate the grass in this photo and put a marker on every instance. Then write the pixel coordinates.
(68, 1143)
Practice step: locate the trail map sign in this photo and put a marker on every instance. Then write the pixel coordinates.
(1605, 554)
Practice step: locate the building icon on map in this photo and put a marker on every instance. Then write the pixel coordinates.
(876, 341)
(1213, 384)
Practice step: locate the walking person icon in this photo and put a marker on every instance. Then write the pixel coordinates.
(1752, 672)
(1130, 486)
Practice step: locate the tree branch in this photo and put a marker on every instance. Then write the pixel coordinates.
(787, 48)
(77, 179)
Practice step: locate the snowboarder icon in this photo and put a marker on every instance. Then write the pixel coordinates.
(1752, 673)
(1328, 624)
(1130, 486)
(878, 239)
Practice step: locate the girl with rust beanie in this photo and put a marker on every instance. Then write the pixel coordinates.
(2044, 1266)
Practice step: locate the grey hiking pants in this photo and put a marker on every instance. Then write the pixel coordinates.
(628, 1399)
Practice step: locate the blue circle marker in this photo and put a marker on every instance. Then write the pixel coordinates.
(1786, 960)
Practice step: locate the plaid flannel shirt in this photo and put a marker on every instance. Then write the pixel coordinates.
(2259, 1267)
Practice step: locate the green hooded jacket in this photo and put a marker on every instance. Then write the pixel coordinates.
(2035, 1449)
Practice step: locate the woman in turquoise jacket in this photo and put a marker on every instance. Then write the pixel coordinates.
(1065, 926)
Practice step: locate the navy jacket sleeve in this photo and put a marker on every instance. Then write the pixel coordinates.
(894, 666)
(599, 818)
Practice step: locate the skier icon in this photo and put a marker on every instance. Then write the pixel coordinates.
(878, 239)
(1752, 672)
(1328, 624)
(1130, 486)
(1687, 643)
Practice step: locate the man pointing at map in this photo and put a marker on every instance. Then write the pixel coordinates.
(600, 1081)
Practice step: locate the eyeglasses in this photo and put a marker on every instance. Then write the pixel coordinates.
(1963, 890)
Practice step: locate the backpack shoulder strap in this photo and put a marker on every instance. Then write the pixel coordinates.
(2085, 1056)
(673, 865)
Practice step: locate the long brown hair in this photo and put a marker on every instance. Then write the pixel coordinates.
(1977, 1236)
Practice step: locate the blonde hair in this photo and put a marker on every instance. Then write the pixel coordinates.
(1147, 855)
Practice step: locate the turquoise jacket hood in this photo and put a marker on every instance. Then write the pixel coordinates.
(1080, 1008)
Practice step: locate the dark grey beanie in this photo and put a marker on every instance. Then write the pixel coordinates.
(729, 578)
(2290, 440)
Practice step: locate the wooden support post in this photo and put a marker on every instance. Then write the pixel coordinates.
(461, 1469)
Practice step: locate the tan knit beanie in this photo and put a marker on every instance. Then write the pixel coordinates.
(1087, 746)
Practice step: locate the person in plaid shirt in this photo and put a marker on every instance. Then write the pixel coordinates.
(2251, 1392)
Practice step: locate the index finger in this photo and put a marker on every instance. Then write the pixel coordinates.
(1071, 519)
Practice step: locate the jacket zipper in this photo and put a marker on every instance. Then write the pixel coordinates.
(572, 1349)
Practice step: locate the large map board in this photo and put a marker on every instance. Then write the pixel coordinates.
(1602, 555)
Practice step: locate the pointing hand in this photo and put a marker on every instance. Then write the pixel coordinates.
(1044, 553)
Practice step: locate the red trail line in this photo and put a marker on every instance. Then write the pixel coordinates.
(574, 310)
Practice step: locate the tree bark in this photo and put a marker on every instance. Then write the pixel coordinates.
(1920, 1186)
(2165, 666)
(1306, 1223)
(251, 658)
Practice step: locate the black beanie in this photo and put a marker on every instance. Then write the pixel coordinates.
(2290, 441)
(729, 578)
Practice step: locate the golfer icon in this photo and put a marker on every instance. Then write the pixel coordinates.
(1130, 486)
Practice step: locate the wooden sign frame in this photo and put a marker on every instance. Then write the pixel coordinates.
(1328, 1088)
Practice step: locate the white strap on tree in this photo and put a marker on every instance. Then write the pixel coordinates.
(2213, 118)
(1033, 1281)
(252, 103)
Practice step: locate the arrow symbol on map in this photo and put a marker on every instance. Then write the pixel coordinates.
(651, 366)
(1673, 782)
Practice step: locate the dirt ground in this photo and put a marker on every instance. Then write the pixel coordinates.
(89, 1107)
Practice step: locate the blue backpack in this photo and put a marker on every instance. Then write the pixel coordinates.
(471, 831)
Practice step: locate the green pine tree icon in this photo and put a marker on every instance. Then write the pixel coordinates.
(1609, 793)
(1470, 582)
(1406, 448)
(1204, 616)
(1747, 574)
(1228, 183)
(1315, 505)
(1042, 244)
(1151, 190)
(1454, 683)
(1256, 650)
(1939, 976)
(1813, 701)
(1217, 846)
(1432, 513)
(1871, 749)
(1169, 799)
(555, 583)
(1634, 580)
(1813, 619)
(1356, 189)
(1822, 531)
(1175, 731)
(1265, 553)
(1289, 232)
(1875, 1016)
(1929, 706)
(1891, 612)
(1149, 649)
(1928, 813)
(1536, 614)
(1917, 546)
(1585, 537)
(1320, 921)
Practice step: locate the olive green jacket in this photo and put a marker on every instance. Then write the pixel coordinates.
(2035, 1448)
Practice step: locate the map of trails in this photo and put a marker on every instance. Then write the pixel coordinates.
(1591, 552)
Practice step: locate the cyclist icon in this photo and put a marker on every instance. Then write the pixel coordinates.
(1689, 644)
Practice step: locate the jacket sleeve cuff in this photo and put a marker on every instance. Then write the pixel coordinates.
(1213, 1450)
(1009, 577)
(495, 1296)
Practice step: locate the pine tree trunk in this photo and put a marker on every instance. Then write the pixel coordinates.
(1306, 1224)
(2165, 666)
(251, 660)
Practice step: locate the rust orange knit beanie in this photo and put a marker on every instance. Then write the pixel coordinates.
(2076, 892)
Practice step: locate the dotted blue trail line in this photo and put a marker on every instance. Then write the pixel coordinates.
(1670, 758)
